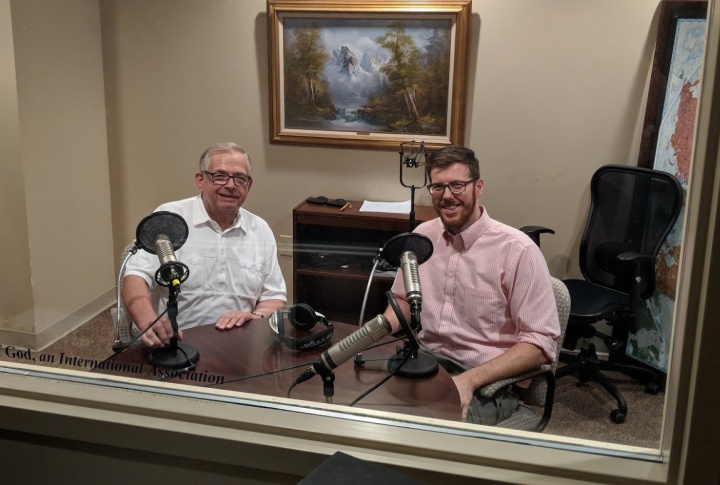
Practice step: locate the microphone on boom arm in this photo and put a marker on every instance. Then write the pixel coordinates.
(162, 233)
(342, 351)
(407, 251)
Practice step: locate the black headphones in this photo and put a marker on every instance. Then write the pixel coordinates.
(301, 317)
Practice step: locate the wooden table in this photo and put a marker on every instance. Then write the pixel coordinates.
(228, 358)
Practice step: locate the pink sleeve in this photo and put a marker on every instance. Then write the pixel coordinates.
(532, 302)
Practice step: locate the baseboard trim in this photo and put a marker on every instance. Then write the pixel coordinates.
(61, 328)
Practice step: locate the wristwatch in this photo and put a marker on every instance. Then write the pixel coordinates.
(258, 314)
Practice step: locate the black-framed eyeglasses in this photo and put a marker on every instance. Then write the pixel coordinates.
(456, 187)
(221, 178)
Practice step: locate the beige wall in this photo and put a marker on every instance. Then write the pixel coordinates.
(15, 290)
(62, 183)
(551, 97)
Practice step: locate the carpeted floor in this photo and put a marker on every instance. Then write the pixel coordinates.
(583, 411)
(580, 410)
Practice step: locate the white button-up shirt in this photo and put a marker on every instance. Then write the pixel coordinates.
(229, 270)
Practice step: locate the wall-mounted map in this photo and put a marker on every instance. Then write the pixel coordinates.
(673, 154)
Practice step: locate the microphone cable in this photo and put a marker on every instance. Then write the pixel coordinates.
(237, 379)
(381, 381)
(137, 337)
(392, 301)
(309, 373)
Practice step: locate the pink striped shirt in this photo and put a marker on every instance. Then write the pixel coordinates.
(484, 290)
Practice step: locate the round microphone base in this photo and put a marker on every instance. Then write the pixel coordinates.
(424, 365)
(174, 358)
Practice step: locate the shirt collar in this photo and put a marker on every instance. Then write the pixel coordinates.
(200, 216)
(467, 238)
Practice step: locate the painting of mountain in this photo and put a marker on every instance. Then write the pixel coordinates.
(367, 75)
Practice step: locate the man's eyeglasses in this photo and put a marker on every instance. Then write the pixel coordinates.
(221, 178)
(456, 187)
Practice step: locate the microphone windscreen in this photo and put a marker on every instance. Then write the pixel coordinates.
(407, 241)
(161, 222)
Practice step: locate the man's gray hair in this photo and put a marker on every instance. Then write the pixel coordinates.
(223, 147)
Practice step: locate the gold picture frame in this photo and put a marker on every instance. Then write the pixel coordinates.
(369, 73)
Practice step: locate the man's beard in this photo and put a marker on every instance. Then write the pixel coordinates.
(455, 224)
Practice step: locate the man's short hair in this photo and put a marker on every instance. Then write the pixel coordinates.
(449, 155)
(223, 147)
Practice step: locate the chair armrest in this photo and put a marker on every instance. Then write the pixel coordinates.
(633, 257)
(123, 327)
(534, 232)
(489, 390)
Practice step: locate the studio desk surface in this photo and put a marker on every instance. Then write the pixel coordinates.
(243, 359)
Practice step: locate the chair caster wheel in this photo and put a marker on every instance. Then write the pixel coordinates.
(652, 388)
(617, 416)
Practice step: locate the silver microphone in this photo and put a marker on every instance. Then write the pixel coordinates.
(413, 294)
(164, 249)
(171, 271)
(356, 342)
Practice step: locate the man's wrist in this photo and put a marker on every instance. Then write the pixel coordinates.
(257, 313)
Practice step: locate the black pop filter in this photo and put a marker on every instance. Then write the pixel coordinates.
(161, 222)
(419, 244)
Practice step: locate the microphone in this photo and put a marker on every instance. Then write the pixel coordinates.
(357, 341)
(408, 250)
(413, 294)
(171, 271)
(163, 233)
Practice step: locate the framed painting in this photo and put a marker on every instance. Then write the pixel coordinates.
(368, 74)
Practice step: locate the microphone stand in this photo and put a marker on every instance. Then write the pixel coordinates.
(328, 380)
(359, 359)
(168, 356)
(119, 310)
(409, 158)
(420, 364)
(172, 312)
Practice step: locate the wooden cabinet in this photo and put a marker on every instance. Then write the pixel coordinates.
(333, 256)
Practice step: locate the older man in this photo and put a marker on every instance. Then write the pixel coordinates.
(231, 253)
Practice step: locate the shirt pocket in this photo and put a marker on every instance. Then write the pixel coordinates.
(246, 277)
(202, 271)
(484, 307)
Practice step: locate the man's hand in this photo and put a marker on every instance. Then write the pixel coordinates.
(234, 319)
(160, 333)
(465, 389)
(519, 358)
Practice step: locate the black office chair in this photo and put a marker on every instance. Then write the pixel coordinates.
(632, 211)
